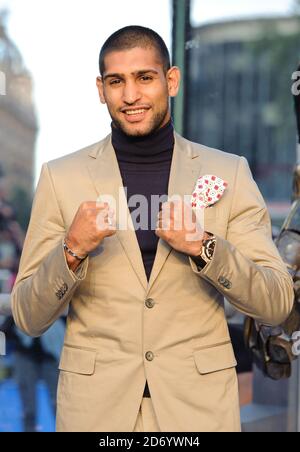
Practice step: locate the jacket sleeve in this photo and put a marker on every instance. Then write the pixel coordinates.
(247, 268)
(44, 285)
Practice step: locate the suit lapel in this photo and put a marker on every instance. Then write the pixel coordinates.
(104, 171)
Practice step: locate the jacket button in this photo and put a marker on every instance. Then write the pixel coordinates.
(228, 284)
(222, 280)
(150, 303)
(149, 356)
(59, 294)
(65, 287)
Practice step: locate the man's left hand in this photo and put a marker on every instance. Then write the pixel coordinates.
(177, 224)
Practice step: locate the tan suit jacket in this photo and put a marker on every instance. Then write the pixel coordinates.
(111, 330)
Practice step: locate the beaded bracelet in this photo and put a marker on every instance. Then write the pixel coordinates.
(69, 251)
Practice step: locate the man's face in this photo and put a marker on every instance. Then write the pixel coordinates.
(136, 90)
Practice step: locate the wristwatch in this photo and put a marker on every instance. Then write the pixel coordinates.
(207, 252)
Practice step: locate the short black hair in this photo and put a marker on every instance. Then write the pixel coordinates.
(135, 36)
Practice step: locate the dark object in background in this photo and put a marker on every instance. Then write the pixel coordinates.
(275, 348)
(3, 223)
(242, 353)
(296, 175)
(297, 108)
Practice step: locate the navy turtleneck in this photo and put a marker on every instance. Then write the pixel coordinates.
(145, 164)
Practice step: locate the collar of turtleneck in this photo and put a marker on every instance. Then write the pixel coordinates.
(154, 148)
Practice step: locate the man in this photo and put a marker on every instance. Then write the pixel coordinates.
(146, 304)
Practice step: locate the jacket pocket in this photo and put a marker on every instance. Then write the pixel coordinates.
(214, 358)
(78, 361)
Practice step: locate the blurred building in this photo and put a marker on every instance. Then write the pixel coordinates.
(18, 124)
(239, 95)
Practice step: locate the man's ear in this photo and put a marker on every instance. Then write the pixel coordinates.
(100, 87)
(173, 80)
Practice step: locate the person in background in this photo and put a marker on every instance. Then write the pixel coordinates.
(33, 359)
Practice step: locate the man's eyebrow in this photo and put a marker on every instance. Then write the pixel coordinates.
(140, 72)
(146, 71)
(113, 75)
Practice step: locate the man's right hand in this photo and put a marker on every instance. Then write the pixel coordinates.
(89, 228)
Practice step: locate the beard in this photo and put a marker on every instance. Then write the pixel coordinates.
(154, 125)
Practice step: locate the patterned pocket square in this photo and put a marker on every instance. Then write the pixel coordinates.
(208, 190)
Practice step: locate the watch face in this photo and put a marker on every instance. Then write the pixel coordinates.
(209, 246)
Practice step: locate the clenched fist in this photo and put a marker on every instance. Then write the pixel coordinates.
(92, 223)
(177, 224)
